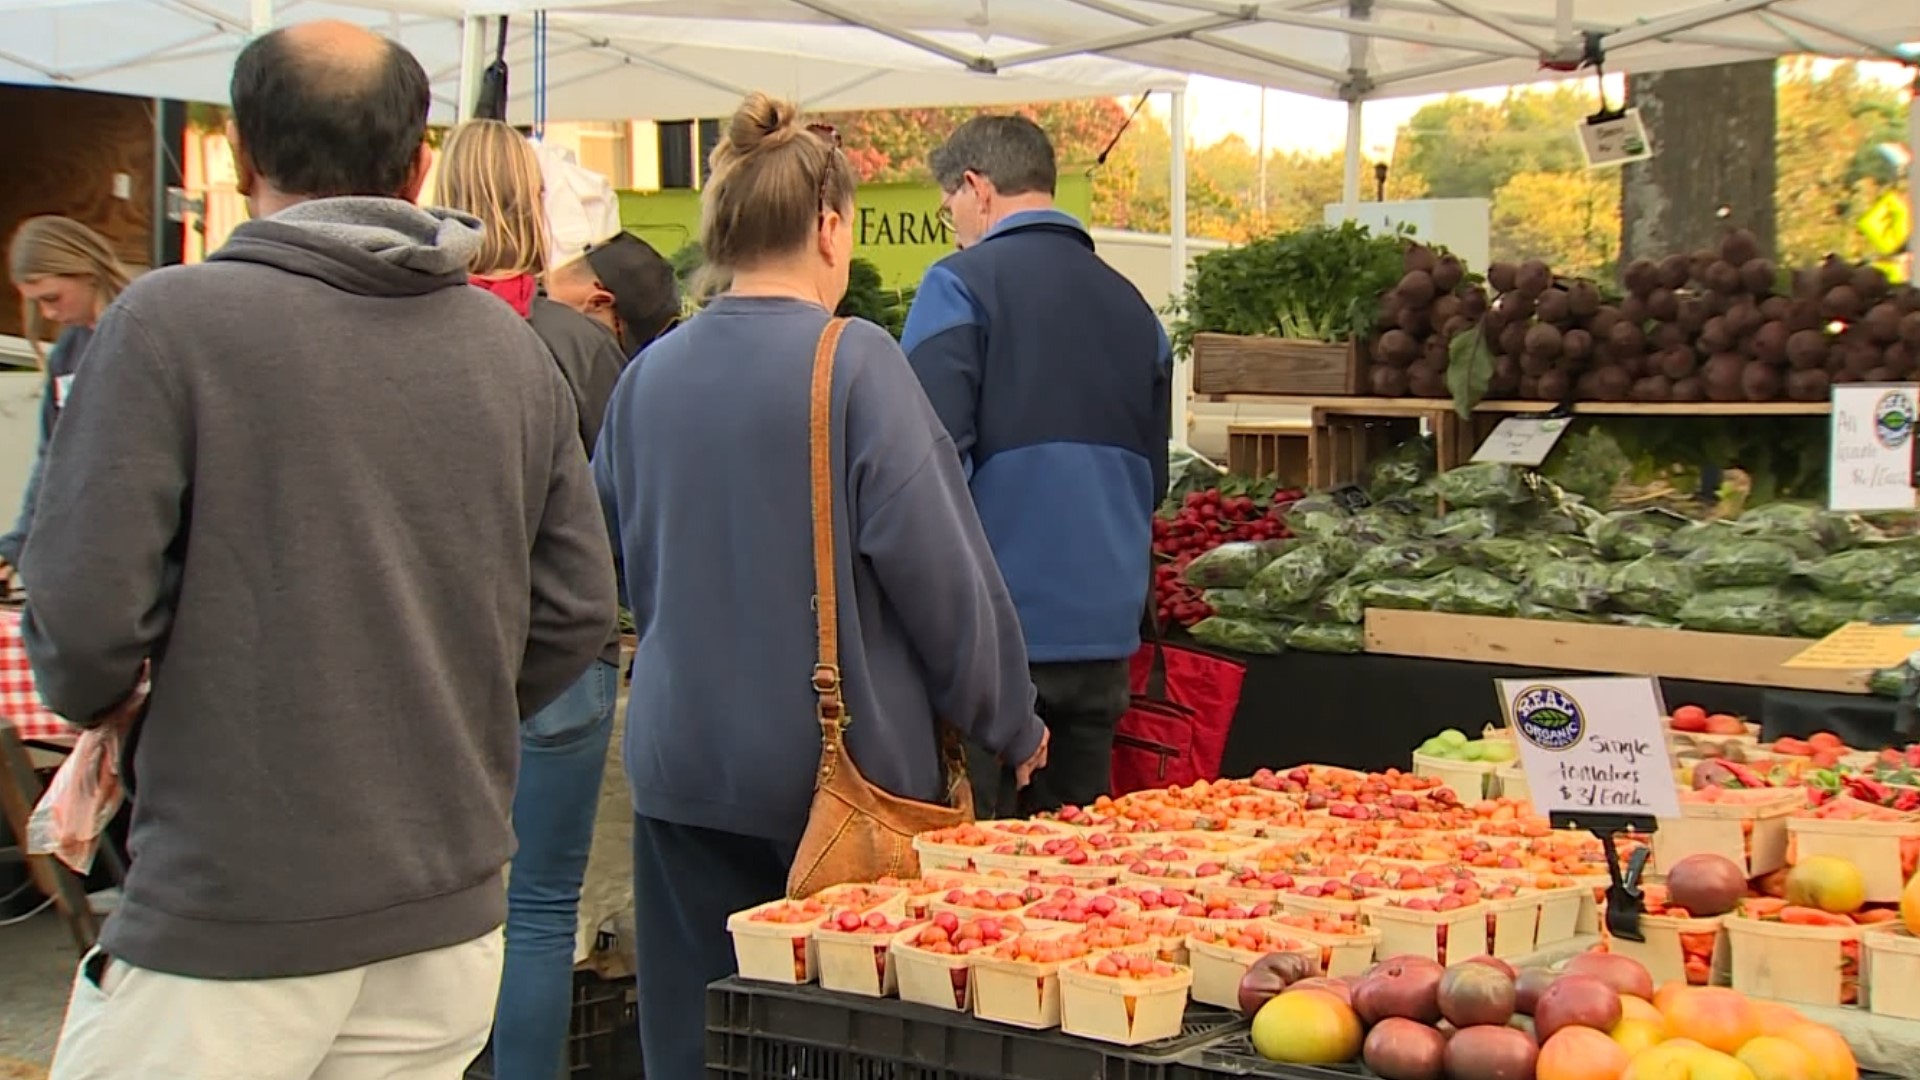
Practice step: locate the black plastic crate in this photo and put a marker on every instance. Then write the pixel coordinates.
(603, 1035)
(762, 1031)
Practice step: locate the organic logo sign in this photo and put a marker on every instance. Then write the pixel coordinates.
(1893, 419)
(1549, 718)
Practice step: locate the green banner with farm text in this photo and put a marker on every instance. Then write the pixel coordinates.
(897, 226)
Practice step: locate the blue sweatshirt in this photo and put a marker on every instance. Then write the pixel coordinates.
(702, 468)
(63, 363)
(1055, 379)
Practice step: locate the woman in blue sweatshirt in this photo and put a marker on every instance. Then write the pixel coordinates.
(66, 274)
(702, 465)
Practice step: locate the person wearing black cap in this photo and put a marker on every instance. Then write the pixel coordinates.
(623, 284)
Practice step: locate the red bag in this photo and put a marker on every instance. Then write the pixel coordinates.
(1175, 733)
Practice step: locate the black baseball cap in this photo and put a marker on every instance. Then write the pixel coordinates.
(646, 295)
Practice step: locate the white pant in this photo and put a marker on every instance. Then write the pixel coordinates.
(422, 1017)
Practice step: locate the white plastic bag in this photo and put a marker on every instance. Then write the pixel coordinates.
(85, 794)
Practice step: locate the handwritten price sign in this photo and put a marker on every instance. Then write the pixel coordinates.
(1591, 745)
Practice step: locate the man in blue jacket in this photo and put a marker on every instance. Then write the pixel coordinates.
(1053, 376)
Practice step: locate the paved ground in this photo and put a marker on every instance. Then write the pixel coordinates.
(36, 968)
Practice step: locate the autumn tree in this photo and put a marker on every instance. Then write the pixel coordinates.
(1465, 148)
(1831, 168)
(1570, 219)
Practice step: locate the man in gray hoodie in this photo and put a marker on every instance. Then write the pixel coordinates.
(337, 500)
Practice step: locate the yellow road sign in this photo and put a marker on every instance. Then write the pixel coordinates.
(1887, 223)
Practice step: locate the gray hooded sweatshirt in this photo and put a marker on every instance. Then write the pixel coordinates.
(339, 499)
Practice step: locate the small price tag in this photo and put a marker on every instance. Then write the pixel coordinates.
(1872, 447)
(1861, 646)
(1592, 746)
(1614, 140)
(1522, 440)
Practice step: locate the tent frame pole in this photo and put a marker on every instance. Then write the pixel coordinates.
(1227, 45)
(1177, 257)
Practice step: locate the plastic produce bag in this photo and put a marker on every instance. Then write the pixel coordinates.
(1406, 559)
(1401, 469)
(1531, 610)
(1692, 538)
(1295, 577)
(1646, 622)
(1462, 526)
(81, 800)
(1782, 520)
(1734, 563)
(1232, 566)
(1651, 585)
(1507, 556)
(1467, 591)
(1860, 574)
(1316, 516)
(1379, 525)
(1343, 601)
(1815, 615)
(1903, 596)
(1406, 594)
(1483, 484)
(1631, 534)
(1743, 610)
(1234, 603)
(1188, 472)
(1327, 638)
(1242, 635)
(1568, 584)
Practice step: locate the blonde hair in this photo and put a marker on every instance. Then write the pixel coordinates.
(53, 246)
(490, 171)
(772, 177)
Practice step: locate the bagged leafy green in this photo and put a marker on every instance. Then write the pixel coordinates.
(1423, 501)
(1461, 526)
(1379, 525)
(1749, 609)
(1406, 559)
(1860, 574)
(1343, 601)
(1316, 516)
(1342, 552)
(1507, 556)
(1295, 577)
(1693, 537)
(1589, 462)
(1188, 472)
(1484, 483)
(1235, 603)
(1898, 681)
(1232, 566)
(1780, 520)
(1903, 596)
(1242, 635)
(1568, 584)
(1816, 615)
(1651, 585)
(1531, 610)
(1733, 563)
(1327, 638)
(1467, 591)
(1649, 622)
(1630, 534)
(1406, 594)
(1401, 469)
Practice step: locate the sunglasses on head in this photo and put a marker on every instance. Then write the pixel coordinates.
(830, 135)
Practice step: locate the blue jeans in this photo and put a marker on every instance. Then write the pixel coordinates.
(563, 751)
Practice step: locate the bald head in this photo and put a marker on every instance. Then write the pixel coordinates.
(328, 108)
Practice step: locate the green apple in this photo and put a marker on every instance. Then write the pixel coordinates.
(1473, 750)
(1453, 737)
(1500, 750)
(1432, 748)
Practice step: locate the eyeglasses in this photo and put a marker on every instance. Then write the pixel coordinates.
(831, 136)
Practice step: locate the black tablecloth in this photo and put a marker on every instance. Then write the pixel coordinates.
(1369, 712)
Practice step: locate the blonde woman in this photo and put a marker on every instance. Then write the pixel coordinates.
(489, 170)
(67, 275)
(703, 466)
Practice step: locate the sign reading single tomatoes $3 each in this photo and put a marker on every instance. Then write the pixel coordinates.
(1592, 746)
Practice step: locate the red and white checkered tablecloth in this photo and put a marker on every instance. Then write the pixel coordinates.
(20, 704)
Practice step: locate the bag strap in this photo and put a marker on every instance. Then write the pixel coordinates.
(1150, 624)
(826, 602)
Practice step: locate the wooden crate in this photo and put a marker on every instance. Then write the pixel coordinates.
(1277, 448)
(1347, 438)
(1611, 650)
(1234, 364)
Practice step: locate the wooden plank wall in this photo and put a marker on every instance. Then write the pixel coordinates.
(64, 148)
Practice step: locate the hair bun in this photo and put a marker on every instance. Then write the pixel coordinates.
(763, 122)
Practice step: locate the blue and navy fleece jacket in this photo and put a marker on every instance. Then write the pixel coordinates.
(1054, 378)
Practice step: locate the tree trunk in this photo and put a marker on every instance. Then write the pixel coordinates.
(1712, 131)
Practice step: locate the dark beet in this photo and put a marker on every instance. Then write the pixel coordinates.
(1760, 382)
